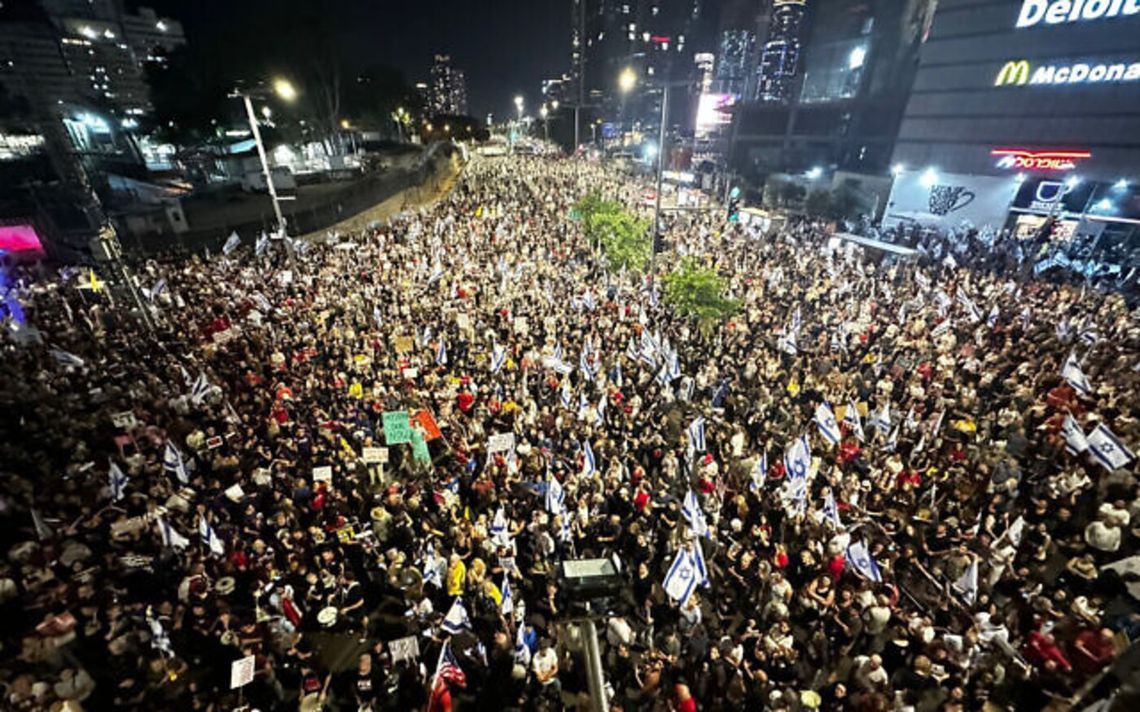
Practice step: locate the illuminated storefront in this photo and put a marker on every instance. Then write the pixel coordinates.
(1041, 92)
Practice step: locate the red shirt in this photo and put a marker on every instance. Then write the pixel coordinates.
(689, 705)
(641, 500)
(466, 402)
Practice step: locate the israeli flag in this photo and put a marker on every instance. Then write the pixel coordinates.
(377, 316)
(682, 577)
(1108, 450)
(498, 358)
(922, 280)
(831, 510)
(759, 473)
(851, 418)
(600, 418)
(173, 463)
(1075, 441)
(232, 243)
(967, 585)
(159, 640)
(584, 365)
(696, 434)
(797, 459)
(456, 619)
(261, 245)
(441, 353)
(662, 376)
(698, 555)
(674, 366)
(942, 301)
(787, 343)
(649, 344)
(1088, 335)
(836, 342)
(942, 328)
(992, 318)
(583, 407)
(433, 567)
(647, 357)
(616, 375)
(654, 300)
(200, 388)
(498, 523)
(436, 273)
(691, 511)
(566, 395)
(522, 651)
(882, 419)
(209, 537)
(555, 496)
(153, 293)
(118, 481)
(828, 427)
(1062, 330)
(860, 560)
(171, 539)
(64, 358)
(892, 441)
(588, 301)
(1076, 378)
(589, 466)
(557, 355)
(797, 321)
(508, 605)
(631, 350)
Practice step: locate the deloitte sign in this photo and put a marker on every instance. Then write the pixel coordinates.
(1061, 12)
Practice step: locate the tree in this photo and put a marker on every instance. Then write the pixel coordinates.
(623, 236)
(697, 292)
(591, 204)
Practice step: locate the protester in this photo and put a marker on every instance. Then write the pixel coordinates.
(358, 462)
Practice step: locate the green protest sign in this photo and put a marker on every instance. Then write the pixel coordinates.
(420, 448)
(397, 428)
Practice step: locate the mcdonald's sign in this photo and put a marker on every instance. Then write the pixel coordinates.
(1014, 73)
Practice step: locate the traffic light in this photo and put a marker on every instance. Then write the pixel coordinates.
(734, 204)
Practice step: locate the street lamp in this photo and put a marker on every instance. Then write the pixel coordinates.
(519, 106)
(627, 80)
(285, 90)
(544, 113)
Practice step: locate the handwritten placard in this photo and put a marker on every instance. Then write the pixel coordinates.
(397, 428)
(501, 442)
(322, 474)
(374, 455)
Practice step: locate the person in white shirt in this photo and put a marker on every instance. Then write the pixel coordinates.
(545, 666)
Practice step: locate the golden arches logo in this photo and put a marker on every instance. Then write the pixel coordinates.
(1015, 73)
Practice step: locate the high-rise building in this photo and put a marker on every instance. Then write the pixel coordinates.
(735, 54)
(448, 88)
(780, 55)
(705, 63)
(86, 52)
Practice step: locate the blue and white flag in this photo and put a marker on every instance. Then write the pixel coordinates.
(942, 328)
(967, 584)
(992, 318)
(433, 568)
(117, 480)
(436, 273)
(759, 474)
(377, 316)
(682, 577)
(261, 245)
(1088, 335)
(588, 301)
(64, 358)
(456, 619)
(600, 411)
(860, 560)
(209, 537)
(154, 292)
(851, 418)
(200, 388)
(1107, 449)
(508, 605)
(831, 510)
(828, 427)
(584, 407)
(589, 465)
(498, 358)
(892, 441)
(522, 650)
(787, 343)
(797, 321)
(696, 434)
(566, 396)
(441, 353)
(881, 420)
(654, 300)
(173, 463)
(232, 243)
(1075, 441)
(498, 523)
(616, 375)
(171, 539)
(159, 640)
(674, 366)
(797, 459)
(555, 496)
(1076, 378)
(584, 365)
(702, 569)
(691, 511)
(631, 350)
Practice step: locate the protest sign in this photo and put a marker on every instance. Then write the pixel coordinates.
(404, 649)
(373, 455)
(125, 420)
(322, 474)
(404, 344)
(397, 428)
(420, 449)
(424, 419)
(241, 672)
(501, 442)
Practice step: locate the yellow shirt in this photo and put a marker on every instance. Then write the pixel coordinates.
(455, 578)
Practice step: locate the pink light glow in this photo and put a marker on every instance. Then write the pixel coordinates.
(19, 238)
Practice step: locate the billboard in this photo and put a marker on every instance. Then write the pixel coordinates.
(948, 201)
(714, 111)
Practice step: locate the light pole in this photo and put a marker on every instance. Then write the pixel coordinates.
(627, 81)
(518, 122)
(285, 90)
(545, 114)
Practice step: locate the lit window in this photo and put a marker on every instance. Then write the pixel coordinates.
(655, 10)
(664, 46)
(645, 36)
(650, 72)
(160, 26)
(632, 27)
(625, 9)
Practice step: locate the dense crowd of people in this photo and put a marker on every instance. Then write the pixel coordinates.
(345, 477)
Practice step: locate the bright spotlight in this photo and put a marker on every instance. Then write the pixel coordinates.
(897, 169)
(929, 178)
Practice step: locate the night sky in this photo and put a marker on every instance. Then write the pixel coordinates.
(506, 47)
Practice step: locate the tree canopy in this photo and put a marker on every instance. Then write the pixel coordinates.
(698, 292)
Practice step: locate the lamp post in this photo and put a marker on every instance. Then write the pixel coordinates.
(626, 82)
(285, 90)
(545, 114)
(518, 123)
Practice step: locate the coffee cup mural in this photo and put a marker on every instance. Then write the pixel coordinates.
(946, 199)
